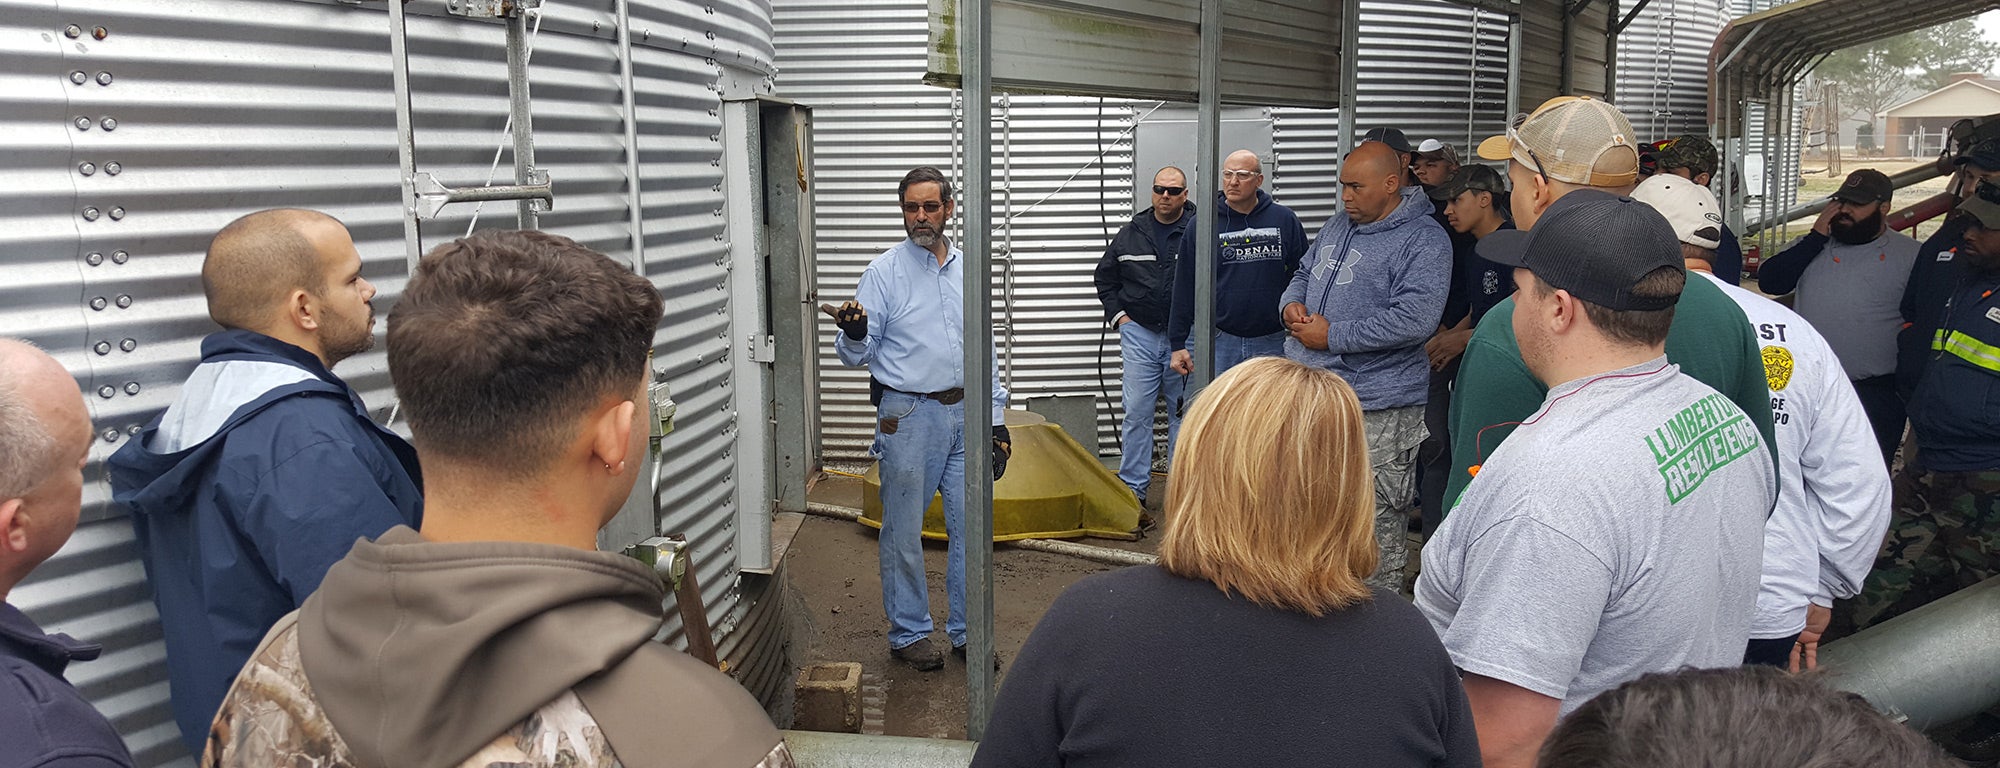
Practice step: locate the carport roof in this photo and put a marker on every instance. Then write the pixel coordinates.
(1759, 56)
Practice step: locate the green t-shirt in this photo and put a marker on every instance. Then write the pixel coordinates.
(1711, 340)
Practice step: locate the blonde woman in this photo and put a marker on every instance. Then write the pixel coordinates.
(1255, 641)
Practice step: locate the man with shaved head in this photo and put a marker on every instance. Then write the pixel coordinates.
(267, 467)
(1262, 243)
(1363, 303)
(44, 442)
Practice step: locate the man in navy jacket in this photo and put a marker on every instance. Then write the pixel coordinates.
(267, 467)
(44, 440)
(1261, 245)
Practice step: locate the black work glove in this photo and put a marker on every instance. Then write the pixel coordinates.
(851, 317)
(1003, 449)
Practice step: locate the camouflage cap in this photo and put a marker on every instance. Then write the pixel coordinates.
(1690, 151)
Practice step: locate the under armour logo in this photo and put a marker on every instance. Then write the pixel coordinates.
(1347, 268)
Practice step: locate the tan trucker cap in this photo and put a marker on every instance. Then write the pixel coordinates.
(1577, 139)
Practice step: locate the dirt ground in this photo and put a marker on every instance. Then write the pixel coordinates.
(833, 569)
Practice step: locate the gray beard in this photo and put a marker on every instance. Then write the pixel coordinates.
(924, 239)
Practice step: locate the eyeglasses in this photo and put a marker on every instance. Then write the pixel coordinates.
(1514, 137)
(928, 206)
(1162, 189)
(1240, 175)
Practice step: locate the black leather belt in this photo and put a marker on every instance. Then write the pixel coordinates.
(944, 397)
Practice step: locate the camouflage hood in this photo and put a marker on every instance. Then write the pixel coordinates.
(421, 652)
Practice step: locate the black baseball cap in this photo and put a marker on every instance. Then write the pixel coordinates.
(1596, 245)
(1475, 176)
(1865, 186)
(1985, 154)
(1390, 136)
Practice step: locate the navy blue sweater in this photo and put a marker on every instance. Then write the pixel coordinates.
(1259, 252)
(43, 720)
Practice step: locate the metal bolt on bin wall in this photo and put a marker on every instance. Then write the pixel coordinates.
(91, 213)
(129, 344)
(72, 31)
(106, 392)
(79, 77)
(87, 168)
(99, 303)
(104, 78)
(114, 168)
(82, 123)
(93, 259)
(125, 301)
(108, 124)
(120, 257)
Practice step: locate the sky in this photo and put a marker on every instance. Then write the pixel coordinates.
(1989, 25)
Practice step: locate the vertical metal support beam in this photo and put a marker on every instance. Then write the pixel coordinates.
(1568, 55)
(518, 107)
(1208, 167)
(975, 36)
(1350, 72)
(1611, 29)
(639, 517)
(637, 220)
(1515, 30)
(406, 139)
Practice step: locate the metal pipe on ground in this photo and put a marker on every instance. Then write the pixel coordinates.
(1104, 555)
(813, 749)
(1917, 175)
(1931, 666)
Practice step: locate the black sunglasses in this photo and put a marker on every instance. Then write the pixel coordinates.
(1162, 189)
(927, 206)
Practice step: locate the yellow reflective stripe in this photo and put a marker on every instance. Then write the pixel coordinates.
(1969, 349)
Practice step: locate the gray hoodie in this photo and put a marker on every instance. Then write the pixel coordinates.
(416, 653)
(1382, 288)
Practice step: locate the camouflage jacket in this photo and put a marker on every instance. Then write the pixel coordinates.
(271, 717)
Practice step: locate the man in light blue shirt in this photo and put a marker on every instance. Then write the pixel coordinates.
(906, 324)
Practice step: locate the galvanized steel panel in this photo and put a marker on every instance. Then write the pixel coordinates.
(226, 106)
(1273, 52)
(1435, 69)
(1663, 67)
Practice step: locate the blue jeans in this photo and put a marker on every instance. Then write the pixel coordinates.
(1231, 349)
(925, 457)
(1147, 380)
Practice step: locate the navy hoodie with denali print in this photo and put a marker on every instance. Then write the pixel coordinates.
(1259, 251)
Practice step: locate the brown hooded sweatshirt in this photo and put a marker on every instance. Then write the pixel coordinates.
(419, 654)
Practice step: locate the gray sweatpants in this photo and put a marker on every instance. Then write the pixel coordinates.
(1394, 435)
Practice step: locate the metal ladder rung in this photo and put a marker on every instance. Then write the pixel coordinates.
(433, 195)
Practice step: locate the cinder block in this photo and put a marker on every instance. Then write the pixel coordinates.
(829, 698)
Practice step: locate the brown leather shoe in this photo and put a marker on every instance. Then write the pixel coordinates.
(922, 654)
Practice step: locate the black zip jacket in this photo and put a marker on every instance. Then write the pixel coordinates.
(1136, 275)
